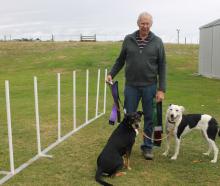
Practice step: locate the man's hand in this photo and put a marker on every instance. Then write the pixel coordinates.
(159, 96)
(109, 79)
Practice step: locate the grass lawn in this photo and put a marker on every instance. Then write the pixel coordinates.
(74, 161)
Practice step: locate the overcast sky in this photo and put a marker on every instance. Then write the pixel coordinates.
(34, 18)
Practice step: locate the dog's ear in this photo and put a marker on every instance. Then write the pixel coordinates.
(170, 104)
(140, 113)
(182, 109)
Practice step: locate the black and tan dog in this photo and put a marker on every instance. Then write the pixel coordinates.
(119, 145)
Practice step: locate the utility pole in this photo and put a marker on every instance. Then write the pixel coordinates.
(52, 38)
(178, 36)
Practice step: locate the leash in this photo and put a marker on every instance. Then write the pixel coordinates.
(116, 97)
(146, 136)
(115, 113)
(116, 109)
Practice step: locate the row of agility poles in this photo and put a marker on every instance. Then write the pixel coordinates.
(43, 153)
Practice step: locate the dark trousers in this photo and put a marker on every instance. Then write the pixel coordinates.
(133, 95)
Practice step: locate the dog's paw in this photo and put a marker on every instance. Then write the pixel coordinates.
(173, 158)
(165, 154)
(120, 174)
(206, 153)
(129, 168)
(213, 161)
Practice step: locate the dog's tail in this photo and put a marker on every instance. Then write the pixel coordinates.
(98, 178)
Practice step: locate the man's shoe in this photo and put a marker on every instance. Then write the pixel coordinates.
(148, 154)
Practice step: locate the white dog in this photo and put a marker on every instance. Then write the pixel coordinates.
(180, 124)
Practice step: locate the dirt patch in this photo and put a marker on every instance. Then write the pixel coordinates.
(58, 70)
(61, 57)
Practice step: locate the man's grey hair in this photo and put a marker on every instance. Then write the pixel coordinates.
(144, 14)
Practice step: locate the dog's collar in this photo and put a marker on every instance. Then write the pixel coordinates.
(172, 122)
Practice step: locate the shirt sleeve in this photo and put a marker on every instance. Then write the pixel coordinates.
(162, 68)
(120, 61)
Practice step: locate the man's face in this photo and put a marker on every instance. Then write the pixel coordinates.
(145, 24)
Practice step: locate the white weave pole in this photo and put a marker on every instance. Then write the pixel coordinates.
(97, 94)
(74, 100)
(87, 94)
(59, 112)
(37, 116)
(8, 109)
(104, 106)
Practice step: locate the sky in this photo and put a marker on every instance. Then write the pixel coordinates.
(108, 19)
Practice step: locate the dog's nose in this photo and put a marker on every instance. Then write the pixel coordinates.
(136, 126)
(172, 116)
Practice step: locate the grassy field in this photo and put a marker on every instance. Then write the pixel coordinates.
(74, 161)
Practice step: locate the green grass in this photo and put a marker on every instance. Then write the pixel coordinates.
(74, 161)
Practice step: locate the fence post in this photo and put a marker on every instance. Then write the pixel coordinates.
(59, 113)
(87, 94)
(8, 109)
(97, 94)
(37, 115)
(74, 100)
(104, 107)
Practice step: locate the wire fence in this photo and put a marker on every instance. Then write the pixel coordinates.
(59, 37)
(99, 37)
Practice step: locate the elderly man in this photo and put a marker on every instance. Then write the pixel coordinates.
(145, 72)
